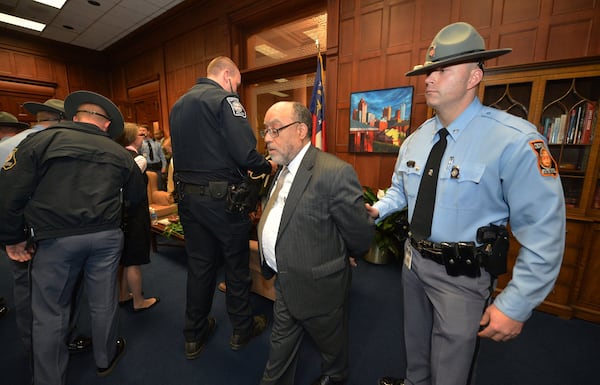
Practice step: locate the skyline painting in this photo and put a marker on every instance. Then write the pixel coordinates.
(380, 119)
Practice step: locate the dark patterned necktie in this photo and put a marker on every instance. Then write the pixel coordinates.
(420, 225)
(280, 182)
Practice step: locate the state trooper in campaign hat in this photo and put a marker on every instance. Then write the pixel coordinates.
(77, 98)
(55, 106)
(10, 121)
(454, 44)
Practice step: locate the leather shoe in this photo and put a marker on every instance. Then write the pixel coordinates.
(327, 380)
(103, 372)
(390, 381)
(79, 345)
(194, 348)
(238, 340)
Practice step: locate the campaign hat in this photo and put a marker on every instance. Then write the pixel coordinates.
(77, 98)
(9, 120)
(55, 106)
(456, 43)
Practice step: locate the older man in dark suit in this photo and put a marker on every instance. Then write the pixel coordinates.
(314, 221)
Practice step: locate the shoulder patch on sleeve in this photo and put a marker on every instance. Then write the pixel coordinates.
(236, 107)
(11, 160)
(546, 163)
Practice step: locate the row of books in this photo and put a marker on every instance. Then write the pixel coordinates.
(574, 127)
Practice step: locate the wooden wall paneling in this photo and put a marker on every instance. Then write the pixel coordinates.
(567, 6)
(516, 11)
(61, 79)
(347, 6)
(344, 87)
(6, 62)
(401, 24)
(143, 68)
(118, 84)
(522, 43)
(569, 36)
(431, 16)
(396, 65)
(24, 66)
(587, 293)
(43, 69)
(370, 31)
(367, 3)
(368, 169)
(370, 74)
(476, 12)
(342, 130)
(331, 108)
(347, 38)
(333, 20)
(88, 78)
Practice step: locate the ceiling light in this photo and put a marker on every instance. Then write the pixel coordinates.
(281, 80)
(20, 22)
(53, 3)
(280, 94)
(269, 51)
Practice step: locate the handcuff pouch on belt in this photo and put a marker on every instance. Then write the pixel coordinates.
(460, 258)
(465, 258)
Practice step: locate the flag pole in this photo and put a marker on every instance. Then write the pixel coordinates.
(317, 105)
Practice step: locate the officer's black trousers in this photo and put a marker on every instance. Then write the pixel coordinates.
(212, 237)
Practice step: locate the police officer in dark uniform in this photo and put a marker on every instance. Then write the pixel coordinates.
(213, 149)
(61, 198)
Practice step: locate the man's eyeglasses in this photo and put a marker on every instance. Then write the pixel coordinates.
(94, 113)
(274, 132)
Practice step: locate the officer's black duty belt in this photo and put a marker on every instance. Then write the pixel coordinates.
(154, 166)
(198, 189)
(429, 250)
(433, 251)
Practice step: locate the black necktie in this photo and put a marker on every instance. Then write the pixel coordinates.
(150, 152)
(420, 224)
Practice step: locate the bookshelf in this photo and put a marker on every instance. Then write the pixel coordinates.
(562, 100)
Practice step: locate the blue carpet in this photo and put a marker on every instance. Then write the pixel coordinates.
(550, 351)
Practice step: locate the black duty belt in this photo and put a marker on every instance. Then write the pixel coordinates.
(459, 258)
(429, 250)
(155, 166)
(197, 189)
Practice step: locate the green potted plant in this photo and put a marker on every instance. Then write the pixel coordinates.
(390, 233)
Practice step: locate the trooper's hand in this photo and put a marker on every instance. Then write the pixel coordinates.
(373, 212)
(19, 252)
(498, 326)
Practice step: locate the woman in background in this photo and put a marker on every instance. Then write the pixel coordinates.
(136, 226)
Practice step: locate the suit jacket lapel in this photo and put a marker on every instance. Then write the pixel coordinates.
(303, 176)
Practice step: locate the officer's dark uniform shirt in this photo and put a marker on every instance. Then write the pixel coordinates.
(66, 180)
(212, 139)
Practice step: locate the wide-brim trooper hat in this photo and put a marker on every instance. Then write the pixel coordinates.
(77, 98)
(55, 106)
(456, 43)
(9, 120)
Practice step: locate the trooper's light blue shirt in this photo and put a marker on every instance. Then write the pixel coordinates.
(491, 172)
(9, 144)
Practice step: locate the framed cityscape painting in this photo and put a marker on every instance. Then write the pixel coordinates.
(380, 119)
